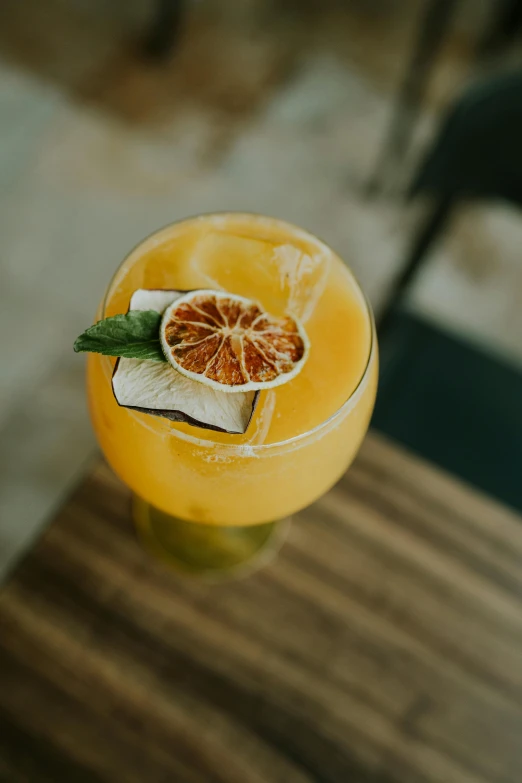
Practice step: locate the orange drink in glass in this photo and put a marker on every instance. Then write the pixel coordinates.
(211, 501)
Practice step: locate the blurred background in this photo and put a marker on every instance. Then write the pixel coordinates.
(119, 117)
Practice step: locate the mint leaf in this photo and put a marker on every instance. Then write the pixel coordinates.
(134, 335)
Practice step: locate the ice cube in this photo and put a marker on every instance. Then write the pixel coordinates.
(281, 277)
(302, 277)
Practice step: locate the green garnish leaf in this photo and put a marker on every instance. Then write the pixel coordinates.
(134, 336)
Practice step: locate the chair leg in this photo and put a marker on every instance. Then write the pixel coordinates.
(433, 28)
(429, 232)
(164, 30)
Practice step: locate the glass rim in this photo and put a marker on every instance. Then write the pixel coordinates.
(246, 449)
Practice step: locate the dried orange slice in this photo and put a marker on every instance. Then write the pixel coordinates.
(229, 343)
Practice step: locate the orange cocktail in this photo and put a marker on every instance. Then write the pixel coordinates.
(303, 434)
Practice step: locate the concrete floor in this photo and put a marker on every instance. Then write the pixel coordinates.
(275, 108)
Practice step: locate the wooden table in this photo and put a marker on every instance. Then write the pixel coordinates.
(383, 646)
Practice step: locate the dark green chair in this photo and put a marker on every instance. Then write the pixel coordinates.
(476, 156)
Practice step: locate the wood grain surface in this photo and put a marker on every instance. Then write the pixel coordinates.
(383, 646)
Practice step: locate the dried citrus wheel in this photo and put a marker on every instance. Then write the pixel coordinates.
(227, 342)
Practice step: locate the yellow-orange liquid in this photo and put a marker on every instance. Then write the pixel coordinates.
(304, 434)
